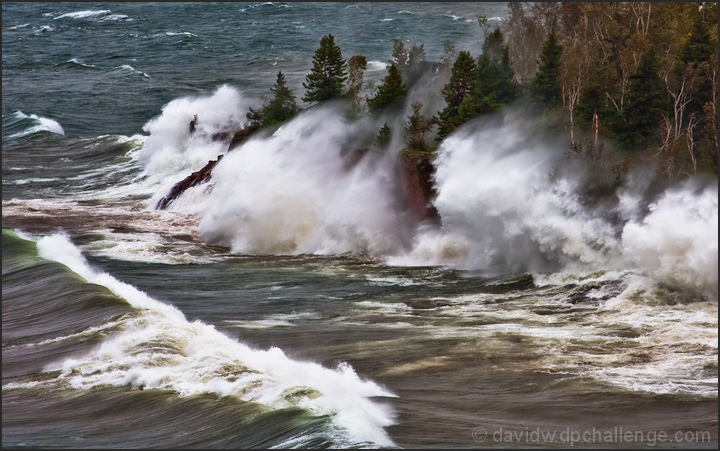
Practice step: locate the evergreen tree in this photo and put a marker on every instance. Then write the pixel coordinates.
(696, 66)
(256, 118)
(493, 46)
(646, 101)
(463, 82)
(495, 75)
(399, 55)
(699, 45)
(495, 78)
(410, 62)
(417, 126)
(545, 87)
(283, 106)
(391, 93)
(327, 79)
(416, 65)
(382, 141)
(276, 111)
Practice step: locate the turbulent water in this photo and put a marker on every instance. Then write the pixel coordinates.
(293, 301)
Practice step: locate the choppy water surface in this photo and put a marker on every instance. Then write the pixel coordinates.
(291, 302)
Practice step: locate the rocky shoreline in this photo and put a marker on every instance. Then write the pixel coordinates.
(415, 174)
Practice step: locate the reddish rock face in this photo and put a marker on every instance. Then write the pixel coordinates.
(196, 178)
(418, 187)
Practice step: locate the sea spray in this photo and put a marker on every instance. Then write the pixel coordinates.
(677, 242)
(160, 349)
(293, 192)
(509, 201)
(173, 148)
(506, 208)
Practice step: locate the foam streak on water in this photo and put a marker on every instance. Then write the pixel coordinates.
(160, 349)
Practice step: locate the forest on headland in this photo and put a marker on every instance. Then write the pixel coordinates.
(623, 84)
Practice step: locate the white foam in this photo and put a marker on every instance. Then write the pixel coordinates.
(76, 61)
(43, 29)
(160, 349)
(115, 17)
(41, 124)
(501, 208)
(133, 70)
(83, 14)
(172, 150)
(374, 66)
(181, 33)
(678, 240)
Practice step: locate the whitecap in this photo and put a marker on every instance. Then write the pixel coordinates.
(129, 68)
(194, 358)
(76, 61)
(44, 28)
(40, 124)
(182, 33)
(114, 17)
(83, 14)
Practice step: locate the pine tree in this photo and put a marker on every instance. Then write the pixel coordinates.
(283, 106)
(463, 82)
(493, 45)
(494, 78)
(495, 75)
(399, 55)
(417, 126)
(276, 111)
(416, 65)
(545, 87)
(327, 79)
(410, 62)
(382, 141)
(255, 118)
(645, 103)
(699, 45)
(391, 93)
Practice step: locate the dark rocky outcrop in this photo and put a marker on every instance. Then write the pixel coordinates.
(241, 137)
(416, 175)
(415, 170)
(194, 179)
(204, 175)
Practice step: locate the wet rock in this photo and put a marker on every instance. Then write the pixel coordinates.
(194, 179)
(416, 174)
(240, 137)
